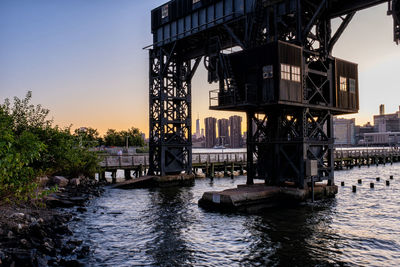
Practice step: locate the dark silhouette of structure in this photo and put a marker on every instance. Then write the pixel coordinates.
(235, 127)
(223, 132)
(281, 72)
(211, 132)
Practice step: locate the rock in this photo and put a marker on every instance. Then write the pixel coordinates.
(19, 216)
(75, 182)
(75, 242)
(80, 201)
(20, 227)
(67, 249)
(41, 262)
(23, 257)
(24, 242)
(81, 209)
(63, 230)
(55, 202)
(40, 221)
(43, 181)
(10, 235)
(49, 248)
(36, 230)
(60, 181)
(71, 263)
(83, 252)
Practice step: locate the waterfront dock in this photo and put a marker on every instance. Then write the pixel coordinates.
(229, 164)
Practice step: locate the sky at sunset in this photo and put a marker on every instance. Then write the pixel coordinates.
(84, 61)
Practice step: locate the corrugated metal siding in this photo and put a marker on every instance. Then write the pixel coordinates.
(247, 67)
(184, 18)
(346, 100)
(291, 55)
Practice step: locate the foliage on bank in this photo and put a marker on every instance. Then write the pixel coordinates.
(30, 147)
(132, 137)
(91, 137)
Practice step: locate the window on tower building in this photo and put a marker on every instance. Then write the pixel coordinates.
(164, 11)
(285, 72)
(296, 74)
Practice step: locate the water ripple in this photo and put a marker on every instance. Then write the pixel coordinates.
(165, 227)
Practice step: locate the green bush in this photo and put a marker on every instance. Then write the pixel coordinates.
(30, 146)
(144, 149)
(18, 152)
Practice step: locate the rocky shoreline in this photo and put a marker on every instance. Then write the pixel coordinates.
(31, 236)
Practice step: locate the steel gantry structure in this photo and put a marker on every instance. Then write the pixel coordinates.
(271, 59)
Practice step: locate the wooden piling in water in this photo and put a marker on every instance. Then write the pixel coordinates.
(114, 177)
(140, 170)
(127, 174)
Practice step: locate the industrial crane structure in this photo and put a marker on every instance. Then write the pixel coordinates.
(271, 59)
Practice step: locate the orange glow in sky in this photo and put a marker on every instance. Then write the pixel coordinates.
(85, 61)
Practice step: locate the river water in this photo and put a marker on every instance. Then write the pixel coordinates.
(165, 227)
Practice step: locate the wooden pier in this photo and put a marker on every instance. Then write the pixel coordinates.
(357, 157)
(229, 164)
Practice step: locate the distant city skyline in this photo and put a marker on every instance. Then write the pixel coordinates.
(85, 61)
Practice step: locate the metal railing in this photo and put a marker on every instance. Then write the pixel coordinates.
(126, 161)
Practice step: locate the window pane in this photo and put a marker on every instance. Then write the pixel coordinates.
(296, 77)
(285, 72)
(352, 86)
(164, 11)
(343, 84)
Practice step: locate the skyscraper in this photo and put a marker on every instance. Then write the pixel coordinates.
(198, 127)
(211, 131)
(235, 124)
(223, 132)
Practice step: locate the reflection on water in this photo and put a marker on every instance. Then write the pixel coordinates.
(165, 227)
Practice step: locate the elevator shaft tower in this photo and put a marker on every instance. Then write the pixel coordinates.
(271, 59)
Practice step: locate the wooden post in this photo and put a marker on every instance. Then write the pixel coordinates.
(225, 169)
(127, 174)
(232, 169)
(140, 170)
(102, 176)
(114, 176)
(212, 170)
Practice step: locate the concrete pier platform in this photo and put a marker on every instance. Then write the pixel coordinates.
(256, 197)
(157, 181)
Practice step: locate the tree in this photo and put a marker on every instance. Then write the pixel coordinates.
(88, 136)
(115, 138)
(26, 116)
